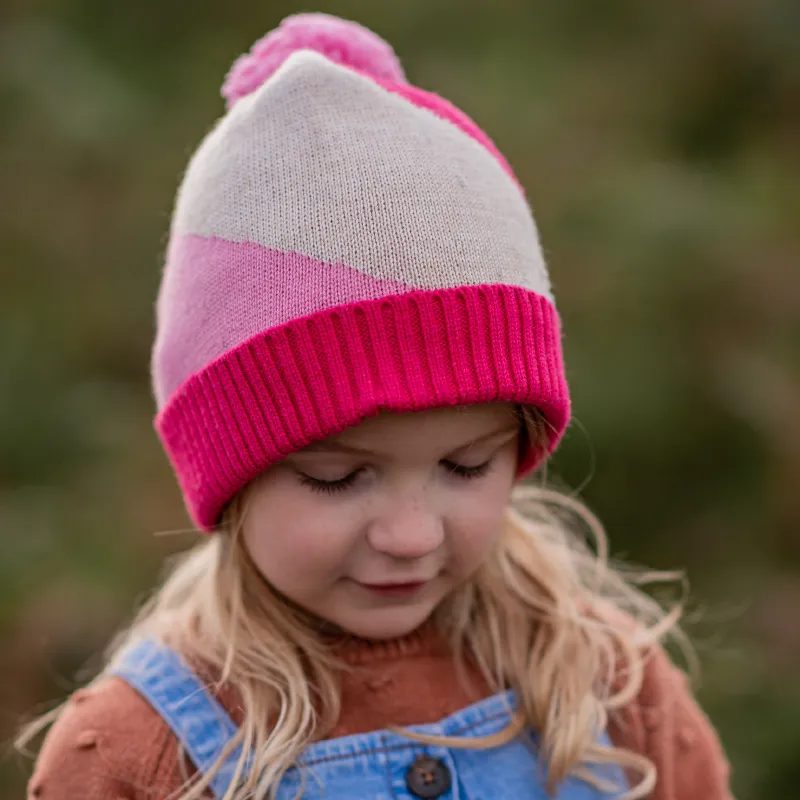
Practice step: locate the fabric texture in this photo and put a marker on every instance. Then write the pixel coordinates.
(374, 764)
(342, 243)
(111, 744)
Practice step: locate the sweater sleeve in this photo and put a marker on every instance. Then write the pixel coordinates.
(665, 724)
(107, 744)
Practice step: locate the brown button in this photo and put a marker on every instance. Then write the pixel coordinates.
(428, 778)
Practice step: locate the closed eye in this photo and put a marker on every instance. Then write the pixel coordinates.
(341, 484)
(467, 472)
(329, 487)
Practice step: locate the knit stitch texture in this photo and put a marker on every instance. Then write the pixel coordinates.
(342, 244)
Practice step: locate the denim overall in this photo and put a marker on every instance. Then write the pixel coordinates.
(378, 765)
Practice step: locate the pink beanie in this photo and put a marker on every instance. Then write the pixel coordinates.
(342, 243)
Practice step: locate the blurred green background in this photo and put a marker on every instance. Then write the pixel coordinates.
(659, 144)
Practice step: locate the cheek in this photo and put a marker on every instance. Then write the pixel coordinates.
(478, 519)
(475, 530)
(294, 544)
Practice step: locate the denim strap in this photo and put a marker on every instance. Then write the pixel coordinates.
(196, 717)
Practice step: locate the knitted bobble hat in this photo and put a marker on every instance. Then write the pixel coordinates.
(342, 243)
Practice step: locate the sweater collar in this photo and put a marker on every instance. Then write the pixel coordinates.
(426, 640)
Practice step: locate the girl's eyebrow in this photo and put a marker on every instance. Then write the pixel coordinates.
(339, 447)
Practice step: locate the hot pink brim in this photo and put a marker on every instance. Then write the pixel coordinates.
(314, 376)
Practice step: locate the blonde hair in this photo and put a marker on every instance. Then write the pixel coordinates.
(547, 615)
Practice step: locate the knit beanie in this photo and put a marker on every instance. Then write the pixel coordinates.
(342, 243)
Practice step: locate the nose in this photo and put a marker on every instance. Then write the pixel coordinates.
(408, 531)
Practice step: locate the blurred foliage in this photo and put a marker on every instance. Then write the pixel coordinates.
(659, 144)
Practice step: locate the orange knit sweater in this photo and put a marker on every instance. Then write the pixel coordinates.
(109, 744)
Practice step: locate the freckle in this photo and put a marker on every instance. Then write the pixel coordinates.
(86, 740)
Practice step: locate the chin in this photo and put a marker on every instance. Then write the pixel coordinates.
(388, 623)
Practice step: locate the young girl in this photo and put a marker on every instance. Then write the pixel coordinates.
(358, 356)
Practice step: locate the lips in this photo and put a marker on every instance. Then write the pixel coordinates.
(394, 589)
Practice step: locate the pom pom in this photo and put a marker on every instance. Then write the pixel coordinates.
(339, 40)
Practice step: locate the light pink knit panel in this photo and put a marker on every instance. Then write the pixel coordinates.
(247, 287)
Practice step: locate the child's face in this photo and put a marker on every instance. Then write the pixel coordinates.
(422, 504)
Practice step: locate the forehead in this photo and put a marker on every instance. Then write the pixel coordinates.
(421, 431)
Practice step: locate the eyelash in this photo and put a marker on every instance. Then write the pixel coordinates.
(332, 487)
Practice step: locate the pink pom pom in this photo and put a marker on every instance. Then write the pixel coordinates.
(344, 42)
